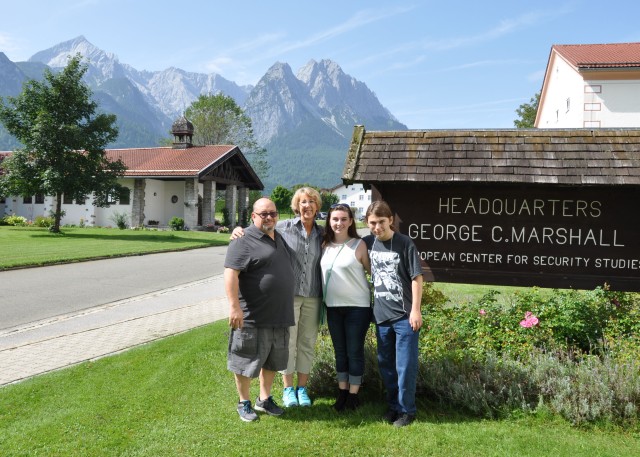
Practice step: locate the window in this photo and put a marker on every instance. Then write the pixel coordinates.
(352, 204)
(344, 197)
(361, 197)
(124, 196)
(3, 200)
(80, 201)
(67, 199)
(39, 199)
(27, 200)
(568, 104)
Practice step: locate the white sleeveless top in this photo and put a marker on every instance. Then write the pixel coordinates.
(347, 284)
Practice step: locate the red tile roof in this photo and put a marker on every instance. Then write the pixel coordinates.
(585, 56)
(166, 161)
(195, 162)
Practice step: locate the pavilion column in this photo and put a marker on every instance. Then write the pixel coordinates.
(231, 203)
(243, 201)
(191, 203)
(208, 203)
(137, 204)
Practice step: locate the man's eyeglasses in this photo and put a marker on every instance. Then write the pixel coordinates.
(264, 215)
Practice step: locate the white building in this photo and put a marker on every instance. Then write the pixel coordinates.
(355, 196)
(591, 86)
(162, 182)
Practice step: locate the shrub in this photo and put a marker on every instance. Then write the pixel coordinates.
(43, 221)
(120, 219)
(176, 223)
(18, 221)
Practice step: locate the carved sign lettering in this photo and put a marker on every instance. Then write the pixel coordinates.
(562, 237)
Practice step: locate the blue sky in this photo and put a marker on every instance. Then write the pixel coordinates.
(433, 64)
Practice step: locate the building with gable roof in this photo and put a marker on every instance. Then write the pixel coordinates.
(181, 180)
(591, 86)
(355, 195)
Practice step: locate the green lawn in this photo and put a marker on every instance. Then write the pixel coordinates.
(175, 397)
(30, 246)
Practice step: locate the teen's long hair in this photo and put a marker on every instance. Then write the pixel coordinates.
(329, 234)
(380, 208)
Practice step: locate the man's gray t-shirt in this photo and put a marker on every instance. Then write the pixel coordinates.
(266, 278)
(394, 264)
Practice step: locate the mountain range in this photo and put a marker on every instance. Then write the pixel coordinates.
(304, 120)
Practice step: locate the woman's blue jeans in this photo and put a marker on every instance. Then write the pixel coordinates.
(348, 327)
(398, 364)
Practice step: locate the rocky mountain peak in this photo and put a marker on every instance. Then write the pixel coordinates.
(296, 117)
(102, 65)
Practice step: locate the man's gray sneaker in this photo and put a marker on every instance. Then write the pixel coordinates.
(268, 406)
(246, 412)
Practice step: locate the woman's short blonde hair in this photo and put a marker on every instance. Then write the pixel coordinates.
(310, 192)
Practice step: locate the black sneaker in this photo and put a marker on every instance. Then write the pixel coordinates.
(390, 416)
(268, 406)
(246, 412)
(404, 419)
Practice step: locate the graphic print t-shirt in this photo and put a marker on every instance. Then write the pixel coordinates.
(394, 263)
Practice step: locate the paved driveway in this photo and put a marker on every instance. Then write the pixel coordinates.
(34, 294)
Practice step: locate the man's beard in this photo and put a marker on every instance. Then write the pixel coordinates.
(267, 230)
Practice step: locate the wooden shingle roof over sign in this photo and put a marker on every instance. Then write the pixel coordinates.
(577, 157)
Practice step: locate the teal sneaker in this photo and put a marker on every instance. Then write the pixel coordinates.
(303, 397)
(289, 398)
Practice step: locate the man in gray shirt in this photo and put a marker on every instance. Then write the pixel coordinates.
(259, 283)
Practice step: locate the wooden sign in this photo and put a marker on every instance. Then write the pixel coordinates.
(579, 237)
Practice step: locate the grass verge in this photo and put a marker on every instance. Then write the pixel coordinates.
(175, 397)
(31, 246)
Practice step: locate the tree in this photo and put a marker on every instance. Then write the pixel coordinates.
(63, 141)
(281, 196)
(217, 119)
(328, 199)
(527, 113)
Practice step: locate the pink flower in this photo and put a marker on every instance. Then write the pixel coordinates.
(530, 320)
(482, 312)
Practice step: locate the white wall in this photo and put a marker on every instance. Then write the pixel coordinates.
(563, 103)
(617, 104)
(103, 216)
